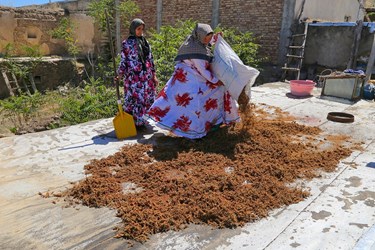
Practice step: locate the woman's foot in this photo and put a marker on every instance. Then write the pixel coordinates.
(215, 127)
(141, 127)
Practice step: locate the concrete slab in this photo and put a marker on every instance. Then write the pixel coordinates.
(339, 214)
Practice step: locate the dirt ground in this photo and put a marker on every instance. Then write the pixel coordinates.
(41, 121)
(233, 176)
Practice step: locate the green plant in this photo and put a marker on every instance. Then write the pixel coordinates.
(9, 50)
(126, 9)
(102, 67)
(165, 45)
(32, 51)
(94, 101)
(20, 109)
(21, 70)
(65, 30)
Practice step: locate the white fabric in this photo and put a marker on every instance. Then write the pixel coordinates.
(192, 102)
(229, 68)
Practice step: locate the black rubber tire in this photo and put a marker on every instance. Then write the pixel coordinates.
(340, 117)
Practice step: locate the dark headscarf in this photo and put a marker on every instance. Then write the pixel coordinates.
(142, 44)
(194, 47)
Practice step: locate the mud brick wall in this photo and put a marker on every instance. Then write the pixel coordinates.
(30, 27)
(48, 74)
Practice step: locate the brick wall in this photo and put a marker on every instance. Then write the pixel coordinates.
(148, 12)
(262, 17)
(198, 10)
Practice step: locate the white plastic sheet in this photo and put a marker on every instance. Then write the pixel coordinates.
(229, 68)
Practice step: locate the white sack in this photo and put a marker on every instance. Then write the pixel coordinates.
(229, 68)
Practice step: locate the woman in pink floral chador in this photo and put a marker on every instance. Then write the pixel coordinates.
(137, 68)
(193, 100)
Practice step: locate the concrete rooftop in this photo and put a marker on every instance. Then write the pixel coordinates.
(339, 214)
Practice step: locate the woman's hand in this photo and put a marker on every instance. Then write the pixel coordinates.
(117, 77)
(220, 83)
(216, 36)
(156, 81)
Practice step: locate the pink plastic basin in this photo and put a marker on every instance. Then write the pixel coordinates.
(301, 87)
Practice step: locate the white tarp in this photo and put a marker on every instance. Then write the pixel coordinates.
(229, 68)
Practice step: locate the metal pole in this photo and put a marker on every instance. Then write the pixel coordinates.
(118, 28)
(360, 3)
(159, 14)
(215, 13)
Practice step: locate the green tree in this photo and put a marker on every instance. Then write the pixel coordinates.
(126, 9)
(65, 30)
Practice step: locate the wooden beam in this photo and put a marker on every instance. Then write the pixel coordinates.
(357, 37)
(118, 27)
(31, 78)
(7, 83)
(371, 60)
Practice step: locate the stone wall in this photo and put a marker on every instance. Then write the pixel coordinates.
(47, 75)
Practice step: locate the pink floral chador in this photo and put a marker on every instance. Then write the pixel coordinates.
(192, 102)
(139, 86)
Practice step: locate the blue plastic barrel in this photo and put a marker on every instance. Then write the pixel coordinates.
(368, 92)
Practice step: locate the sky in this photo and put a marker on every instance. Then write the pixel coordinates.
(19, 3)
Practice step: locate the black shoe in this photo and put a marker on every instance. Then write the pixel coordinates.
(141, 127)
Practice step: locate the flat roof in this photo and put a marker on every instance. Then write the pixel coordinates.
(339, 213)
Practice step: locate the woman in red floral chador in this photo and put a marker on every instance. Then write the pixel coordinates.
(137, 67)
(193, 100)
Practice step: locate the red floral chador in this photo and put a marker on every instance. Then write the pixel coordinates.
(192, 102)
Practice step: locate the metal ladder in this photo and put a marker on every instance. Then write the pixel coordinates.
(295, 53)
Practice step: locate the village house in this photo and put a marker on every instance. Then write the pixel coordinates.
(273, 23)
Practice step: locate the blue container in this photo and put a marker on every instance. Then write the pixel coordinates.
(368, 92)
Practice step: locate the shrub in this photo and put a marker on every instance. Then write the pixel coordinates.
(20, 109)
(94, 101)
